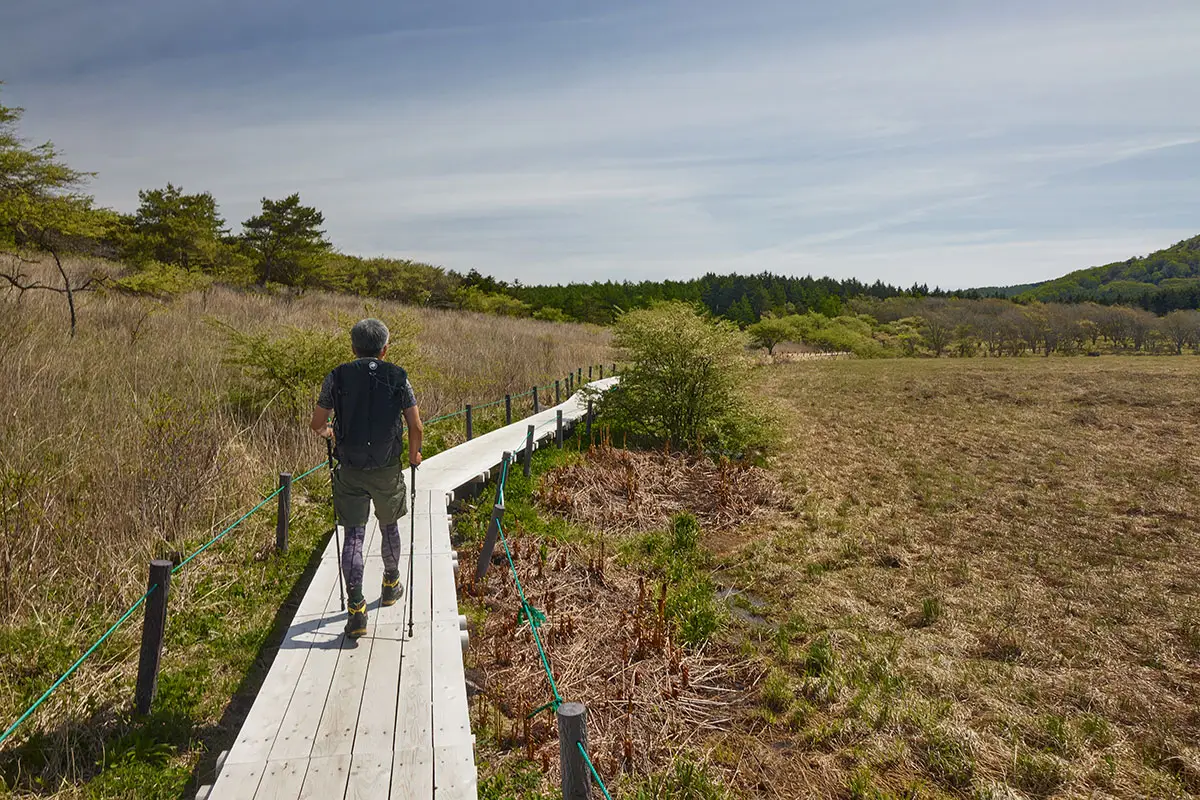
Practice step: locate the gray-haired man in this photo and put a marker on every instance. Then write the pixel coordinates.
(370, 400)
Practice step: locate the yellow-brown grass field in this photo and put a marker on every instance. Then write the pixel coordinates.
(974, 579)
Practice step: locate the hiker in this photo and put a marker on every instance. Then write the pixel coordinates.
(370, 400)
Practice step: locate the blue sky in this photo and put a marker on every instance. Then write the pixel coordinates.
(952, 143)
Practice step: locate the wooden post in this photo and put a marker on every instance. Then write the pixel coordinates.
(559, 433)
(537, 406)
(470, 431)
(579, 377)
(508, 409)
(153, 626)
(589, 373)
(589, 422)
(601, 372)
(528, 450)
(557, 393)
(614, 372)
(284, 514)
(570, 384)
(572, 732)
(489, 544)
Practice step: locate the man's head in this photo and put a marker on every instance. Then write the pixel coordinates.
(369, 338)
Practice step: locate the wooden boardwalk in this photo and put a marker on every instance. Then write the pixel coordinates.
(385, 716)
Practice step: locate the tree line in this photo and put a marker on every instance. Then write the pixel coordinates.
(931, 326)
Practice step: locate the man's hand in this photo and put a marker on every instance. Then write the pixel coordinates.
(320, 422)
(414, 458)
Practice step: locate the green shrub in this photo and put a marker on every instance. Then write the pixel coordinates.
(694, 610)
(285, 368)
(685, 382)
(931, 611)
(948, 760)
(162, 281)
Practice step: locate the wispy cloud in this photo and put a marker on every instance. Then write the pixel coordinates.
(949, 143)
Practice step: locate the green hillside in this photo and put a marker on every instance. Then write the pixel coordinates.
(1162, 281)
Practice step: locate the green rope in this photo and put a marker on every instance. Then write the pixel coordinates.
(595, 774)
(529, 612)
(75, 666)
(221, 535)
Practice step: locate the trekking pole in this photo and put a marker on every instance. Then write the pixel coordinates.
(412, 538)
(337, 539)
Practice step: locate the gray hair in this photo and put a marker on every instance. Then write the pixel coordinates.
(368, 337)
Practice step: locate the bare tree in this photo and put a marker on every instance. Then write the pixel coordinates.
(1181, 328)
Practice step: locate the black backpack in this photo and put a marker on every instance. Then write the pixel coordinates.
(368, 395)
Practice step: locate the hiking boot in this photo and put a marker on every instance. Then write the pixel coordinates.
(356, 624)
(392, 589)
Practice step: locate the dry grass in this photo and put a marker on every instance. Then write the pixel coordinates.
(620, 491)
(118, 446)
(1005, 559)
(985, 586)
(647, 697)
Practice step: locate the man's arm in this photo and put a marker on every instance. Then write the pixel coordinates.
(416, 432)
(320, 421)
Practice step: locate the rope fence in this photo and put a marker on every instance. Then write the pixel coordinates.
(535, 618)
(283, 489)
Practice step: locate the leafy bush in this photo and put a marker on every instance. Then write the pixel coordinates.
(685, 382)
(285, 368)
(844, 334)
(162, 281)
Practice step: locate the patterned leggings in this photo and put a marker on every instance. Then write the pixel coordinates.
(352, 556)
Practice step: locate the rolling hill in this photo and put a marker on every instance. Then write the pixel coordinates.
(1162, 281)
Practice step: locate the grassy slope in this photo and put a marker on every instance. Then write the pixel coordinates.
(119, 446)
(989, 580)
(1178, 264)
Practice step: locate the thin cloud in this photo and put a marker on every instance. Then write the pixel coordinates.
(657, 139)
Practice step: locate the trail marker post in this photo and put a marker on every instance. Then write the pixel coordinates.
(154, 625)
(528, 450)
(572, 732)
(283, 516)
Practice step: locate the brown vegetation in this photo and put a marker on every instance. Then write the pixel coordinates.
(619, 491)
(986, 589)
(1001, 558)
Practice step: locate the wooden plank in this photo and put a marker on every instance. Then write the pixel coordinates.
(412, 774)
(238, 780)
(445, 592)
(376, 730)
(339, 720)
(282, 780)
(326, 778)
(261, 726)
(454, 773)
(370, 776)
(451, 714)
(298, 730)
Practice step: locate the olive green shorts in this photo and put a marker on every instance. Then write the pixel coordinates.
(355, 489)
